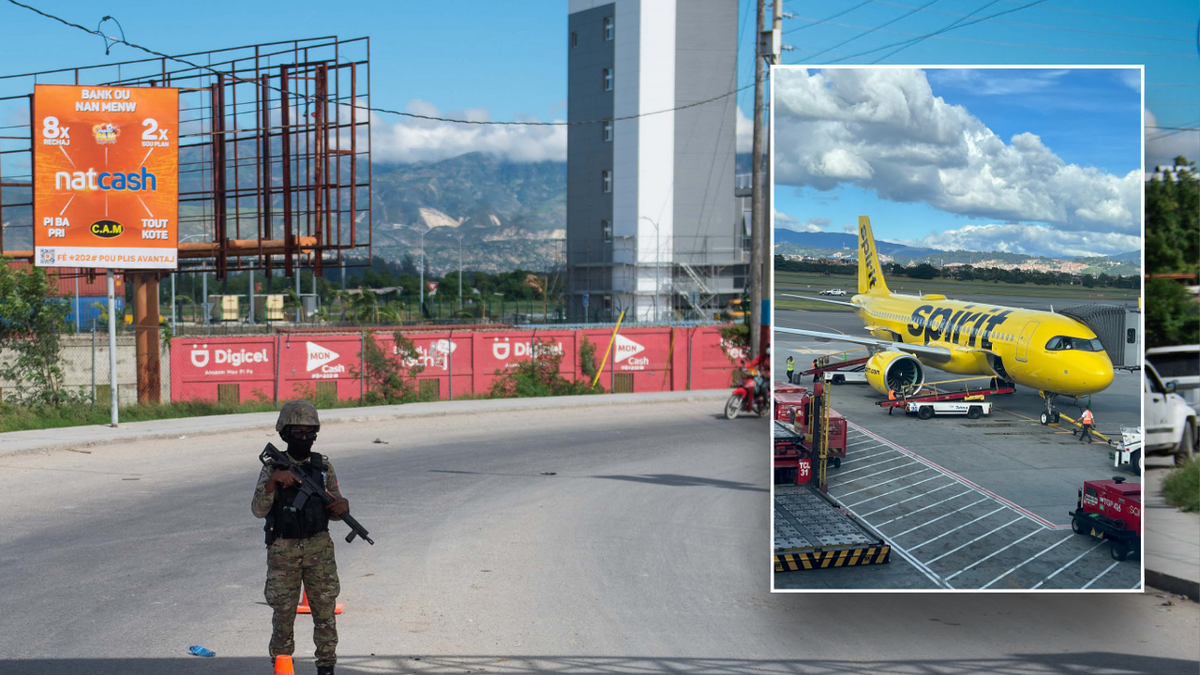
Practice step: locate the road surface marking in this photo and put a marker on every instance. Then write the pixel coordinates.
(988, 534)
(912, 513)
(1106, 571)
(902, 487)
(1029, 560)
(957, 528)
(994, 554)
(1098, 545)
(930, 522)
(890, 480)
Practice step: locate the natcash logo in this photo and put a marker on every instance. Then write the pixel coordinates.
(107, 229)
(106, 180)
(201, 355)
(434, 356)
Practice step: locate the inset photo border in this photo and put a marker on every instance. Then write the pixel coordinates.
(956, 314)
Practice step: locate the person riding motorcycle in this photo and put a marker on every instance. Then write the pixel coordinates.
(760, 367)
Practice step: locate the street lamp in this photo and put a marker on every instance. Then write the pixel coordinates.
(657, 253)
(422, 307)
(460, 241)
(173, 301)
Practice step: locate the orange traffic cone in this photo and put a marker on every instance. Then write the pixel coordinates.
(303, 607)
(283, 665)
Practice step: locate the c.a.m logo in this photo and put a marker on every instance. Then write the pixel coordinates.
(107, 229)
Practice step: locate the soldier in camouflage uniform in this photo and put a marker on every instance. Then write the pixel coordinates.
(299, 549)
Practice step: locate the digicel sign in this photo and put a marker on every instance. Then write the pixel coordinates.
(106, 176)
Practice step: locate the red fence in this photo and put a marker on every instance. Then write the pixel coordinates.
(458, 362)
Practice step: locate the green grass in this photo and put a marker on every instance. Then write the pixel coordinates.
(16, 418)
(799, 282)
(1181, 487)
(794, 304)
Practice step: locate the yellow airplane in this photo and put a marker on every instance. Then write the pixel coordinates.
(1052, 353)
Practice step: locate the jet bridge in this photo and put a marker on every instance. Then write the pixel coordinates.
(1118, 329)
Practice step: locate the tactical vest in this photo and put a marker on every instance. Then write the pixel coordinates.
(286, 522)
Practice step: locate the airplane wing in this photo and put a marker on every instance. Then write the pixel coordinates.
(806, 297)
(929, 352)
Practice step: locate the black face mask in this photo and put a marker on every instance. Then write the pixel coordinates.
(300, 444)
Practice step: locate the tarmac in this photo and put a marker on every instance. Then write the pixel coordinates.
(1022, 462)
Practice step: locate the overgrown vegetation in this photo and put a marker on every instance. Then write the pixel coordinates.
(1181, 487)
(390, 378)
(31, 327)
(539, 376)
(1172, 246)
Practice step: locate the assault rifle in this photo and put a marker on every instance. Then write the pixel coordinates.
(308, 488)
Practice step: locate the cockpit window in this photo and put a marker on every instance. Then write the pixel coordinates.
(1064, 343)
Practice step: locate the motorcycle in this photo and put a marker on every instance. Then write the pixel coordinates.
(744, 398)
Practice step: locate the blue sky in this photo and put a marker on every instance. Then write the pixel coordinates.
(507, 61)
(1033, 160)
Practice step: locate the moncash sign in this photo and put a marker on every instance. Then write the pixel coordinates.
(105, 176)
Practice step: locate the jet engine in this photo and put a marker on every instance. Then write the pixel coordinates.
(892, 371)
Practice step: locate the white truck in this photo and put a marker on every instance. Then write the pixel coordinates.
(1170, 423)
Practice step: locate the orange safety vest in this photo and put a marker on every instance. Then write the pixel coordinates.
(1087, 417)
(891, 394)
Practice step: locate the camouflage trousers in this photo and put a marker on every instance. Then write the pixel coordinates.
(291, 562)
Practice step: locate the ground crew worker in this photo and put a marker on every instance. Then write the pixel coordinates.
(299, 549)
(790, 367)
(1086, 421)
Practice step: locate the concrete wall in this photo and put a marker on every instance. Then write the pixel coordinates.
(77, 366)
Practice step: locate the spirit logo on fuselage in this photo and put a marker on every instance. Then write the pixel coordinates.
(943, 323)
(868, 256)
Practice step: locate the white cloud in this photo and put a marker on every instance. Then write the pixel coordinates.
(745, 132)
(849, 228)
(884, 130)
(1028, 239)
(784, 221)
(1162, 147)
(404, 139)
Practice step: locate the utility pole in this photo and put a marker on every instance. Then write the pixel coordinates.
(768, 269)
(757, 241)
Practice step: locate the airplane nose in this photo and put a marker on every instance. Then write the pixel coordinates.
(1096, 377)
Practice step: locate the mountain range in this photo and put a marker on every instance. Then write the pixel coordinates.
(825, 243)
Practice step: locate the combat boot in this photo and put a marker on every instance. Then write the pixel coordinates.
(324, 670)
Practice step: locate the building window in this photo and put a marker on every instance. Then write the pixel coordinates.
(608, 28)
(606, 227)
(606, 178)
(574, 39)
(608, 79)
(608, 132)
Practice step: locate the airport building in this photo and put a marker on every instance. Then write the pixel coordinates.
(653, 223)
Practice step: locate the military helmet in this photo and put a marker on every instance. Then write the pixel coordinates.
(297, 412)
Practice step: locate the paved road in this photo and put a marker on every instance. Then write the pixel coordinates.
(646, 550)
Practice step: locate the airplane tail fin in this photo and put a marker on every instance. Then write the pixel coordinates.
(870, 274)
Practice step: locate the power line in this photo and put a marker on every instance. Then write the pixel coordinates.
(828, 18)
(1007, 44)
(907, 43)
(957, 23)
(1042, 25)
(864, 33)
(1106, 16)
(386, 111)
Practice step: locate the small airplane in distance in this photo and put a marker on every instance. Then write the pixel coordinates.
(1052, 353)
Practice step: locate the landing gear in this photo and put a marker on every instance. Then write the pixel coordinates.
(1050, 416)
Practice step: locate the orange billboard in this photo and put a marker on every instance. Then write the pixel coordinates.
(106, 176)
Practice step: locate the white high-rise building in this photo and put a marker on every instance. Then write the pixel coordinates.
(653, 226)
